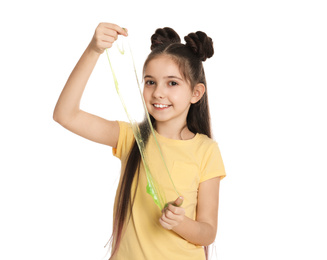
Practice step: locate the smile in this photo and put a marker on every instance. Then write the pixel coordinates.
(160, 106)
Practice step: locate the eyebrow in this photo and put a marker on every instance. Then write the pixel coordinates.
(169, 77)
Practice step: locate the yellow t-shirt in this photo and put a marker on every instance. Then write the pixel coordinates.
(189, 162)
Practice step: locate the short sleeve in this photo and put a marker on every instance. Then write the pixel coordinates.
(212, 165)
(125, 140)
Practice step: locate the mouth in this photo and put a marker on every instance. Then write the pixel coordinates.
(160, 106)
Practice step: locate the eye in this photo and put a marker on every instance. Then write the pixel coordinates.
(173, 83)
(149, 82)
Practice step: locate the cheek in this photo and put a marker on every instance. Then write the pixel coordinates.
(146, 95)
(179, 96)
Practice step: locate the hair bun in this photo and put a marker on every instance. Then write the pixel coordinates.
(164, 36)
(201, 44)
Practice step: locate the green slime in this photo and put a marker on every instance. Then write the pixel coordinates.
(152, 187)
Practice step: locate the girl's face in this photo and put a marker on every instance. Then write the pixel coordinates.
(168, 96)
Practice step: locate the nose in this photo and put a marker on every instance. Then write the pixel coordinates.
(159, 92)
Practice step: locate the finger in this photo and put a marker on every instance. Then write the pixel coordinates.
(125, 29)
(109, 39)
(168, 215)
(105, 45)
(168, 222)
(110, 33)
(176, 210)
(117, 28)
(173, 218)
(179, 201)
(165, 225)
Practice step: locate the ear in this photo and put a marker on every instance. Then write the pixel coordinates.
(198, 92)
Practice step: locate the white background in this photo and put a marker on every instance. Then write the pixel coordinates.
(267, 86)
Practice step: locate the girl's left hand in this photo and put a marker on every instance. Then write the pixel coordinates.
(172, 214)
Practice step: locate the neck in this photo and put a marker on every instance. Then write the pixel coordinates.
(174, 131)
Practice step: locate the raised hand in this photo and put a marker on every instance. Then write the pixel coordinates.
(105, 35)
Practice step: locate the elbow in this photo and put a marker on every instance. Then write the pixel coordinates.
(57, 117)
(204, 242)
(210, 237)
(60, 117)
(208, 241)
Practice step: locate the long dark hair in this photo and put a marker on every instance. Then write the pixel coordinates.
(189, 58)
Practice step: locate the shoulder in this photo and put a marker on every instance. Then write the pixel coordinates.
(205, 144)
(211, 160)
(125, 131)
(125, 140)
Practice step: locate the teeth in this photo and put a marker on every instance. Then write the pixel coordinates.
(160, 105)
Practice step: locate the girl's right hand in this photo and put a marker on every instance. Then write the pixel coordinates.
(105, 35)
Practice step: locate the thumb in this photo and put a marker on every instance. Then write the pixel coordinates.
(179, 201)
(125, 31)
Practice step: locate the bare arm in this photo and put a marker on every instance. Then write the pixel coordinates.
(201, 231)
(67, 111)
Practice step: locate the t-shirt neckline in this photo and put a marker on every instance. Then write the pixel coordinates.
(163, 138)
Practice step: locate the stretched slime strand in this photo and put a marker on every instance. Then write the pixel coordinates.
(152, 187)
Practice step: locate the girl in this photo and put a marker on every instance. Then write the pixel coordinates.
(175, 94)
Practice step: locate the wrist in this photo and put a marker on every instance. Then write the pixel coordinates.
(93, 51)
(181, 225)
